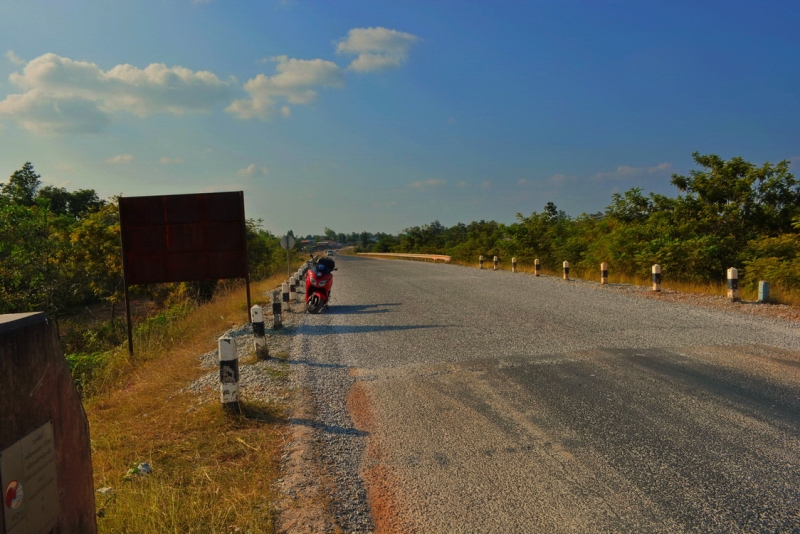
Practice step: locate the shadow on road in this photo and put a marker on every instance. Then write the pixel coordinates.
(362, 308)
(329, 428)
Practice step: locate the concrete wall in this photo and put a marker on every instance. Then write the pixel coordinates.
(36, 387)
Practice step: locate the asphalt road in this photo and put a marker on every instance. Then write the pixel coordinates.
(456, 400)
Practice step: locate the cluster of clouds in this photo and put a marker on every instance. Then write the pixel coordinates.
(624, 172)
(63, 96)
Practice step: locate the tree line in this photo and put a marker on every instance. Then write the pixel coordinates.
(727, 213)
(60, 250)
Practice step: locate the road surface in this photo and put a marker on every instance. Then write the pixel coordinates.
(450, 399)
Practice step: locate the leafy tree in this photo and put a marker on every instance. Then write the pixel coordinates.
(98, 251)
(22, 186)
(729, 203)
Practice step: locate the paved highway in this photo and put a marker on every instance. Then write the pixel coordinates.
(450, 399)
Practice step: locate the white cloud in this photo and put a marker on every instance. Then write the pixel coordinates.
(462, 183)
(624, 172)
(252, 170)
(560, 178)
(486, 185)
(376, 48)
(426, 184)
(64, 167)
(120, 159)
(294, 83)
(169, 161)
(523, 181)
(66, 96)
(14, 58)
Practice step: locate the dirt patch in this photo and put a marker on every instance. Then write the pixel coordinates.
(378, 477)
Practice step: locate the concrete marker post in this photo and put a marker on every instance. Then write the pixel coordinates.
(277, 321)
(733, 284)
(292, 286)
(480, 262)
(536, 266)
(566, 270)
(259, 332)
(603, 273)
(763, 291)
(285, 295)
(514, 264)
(228, 374)
(656, 278)
(494, 261)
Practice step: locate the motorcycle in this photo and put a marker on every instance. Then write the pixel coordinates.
(319, 280)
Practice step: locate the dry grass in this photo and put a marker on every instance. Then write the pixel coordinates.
(212, 472)
(778, 294)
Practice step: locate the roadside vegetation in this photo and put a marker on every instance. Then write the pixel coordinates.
(211, 471)
(60, 253)
(729, 213)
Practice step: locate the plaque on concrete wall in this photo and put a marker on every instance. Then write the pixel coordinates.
(30, 491)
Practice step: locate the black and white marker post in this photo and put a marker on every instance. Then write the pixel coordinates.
(285, 294)
(228, 374)
(277, 321)
(292, 286)
(536, 266)
(514, 264)
(733, 284)
(603, 273)
(480, 262)
(566, 270)
(259, 332)
(656, 278)
(494, 261)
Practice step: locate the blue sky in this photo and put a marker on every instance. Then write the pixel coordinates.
(382, 115)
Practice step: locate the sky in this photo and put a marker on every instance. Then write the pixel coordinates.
(381, 115)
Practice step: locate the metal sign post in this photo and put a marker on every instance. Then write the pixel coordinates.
(287, 242)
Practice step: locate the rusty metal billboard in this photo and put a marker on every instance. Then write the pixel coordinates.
(183, 238)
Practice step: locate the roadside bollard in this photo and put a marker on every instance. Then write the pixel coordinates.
(603, 273)
(656, 277)
(536, 267)
(292, 286)
(763, 291)
(733, 284)
(228, 374)
(277, 322)
(566, 270)
(495, 263)
(480, 262)
(259, 332)
(514, 264)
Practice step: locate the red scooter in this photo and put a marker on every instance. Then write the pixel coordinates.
(319, 280)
